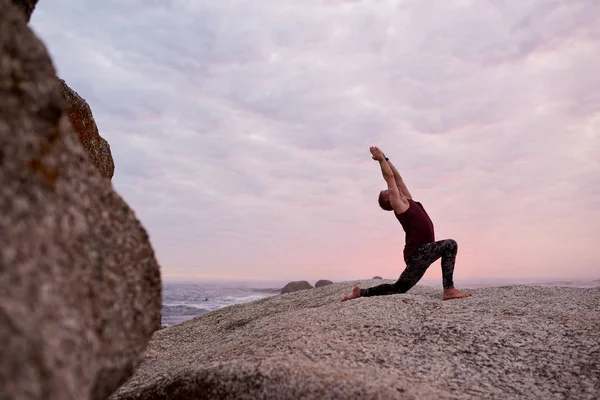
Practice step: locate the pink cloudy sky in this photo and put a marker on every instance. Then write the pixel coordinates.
(240, 130)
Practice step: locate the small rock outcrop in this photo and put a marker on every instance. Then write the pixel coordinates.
(519, 342)
(82, 122)
(323, 282)
(377, 277)
(296, 286)
(80, 289)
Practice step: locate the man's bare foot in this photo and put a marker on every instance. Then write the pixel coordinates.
(355, 293)
(455, 294)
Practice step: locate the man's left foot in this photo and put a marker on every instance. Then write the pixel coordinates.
(355, 293)
(455, 294)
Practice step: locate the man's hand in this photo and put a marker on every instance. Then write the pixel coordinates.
(376, 153)
(379, 156)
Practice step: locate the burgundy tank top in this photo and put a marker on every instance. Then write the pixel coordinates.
(418, 227)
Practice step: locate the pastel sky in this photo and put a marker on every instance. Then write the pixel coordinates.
(240, 129)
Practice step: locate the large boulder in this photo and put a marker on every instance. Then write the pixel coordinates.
(26, 7)
(323, 282)
(80, 290)
(504, 342)
(295, 286)
(82, 122)
(377, 277)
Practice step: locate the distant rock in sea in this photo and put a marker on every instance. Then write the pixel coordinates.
(80, 288)
(296, 286)
(323, 282)
(512, 342)
(377, 277)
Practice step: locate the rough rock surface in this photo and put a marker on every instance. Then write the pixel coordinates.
(295, 286)
(80, 291)
(26, 6)
(82, 122)
(519, 342)
(323, 282)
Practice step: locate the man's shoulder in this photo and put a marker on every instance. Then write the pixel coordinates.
(409, 209)
(419, 204)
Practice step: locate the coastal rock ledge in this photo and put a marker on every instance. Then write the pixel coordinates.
(517, 342)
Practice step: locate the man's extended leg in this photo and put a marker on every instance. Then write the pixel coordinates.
(409, 277)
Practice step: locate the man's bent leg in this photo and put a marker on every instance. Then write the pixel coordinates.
(447, 249)
(430, 252)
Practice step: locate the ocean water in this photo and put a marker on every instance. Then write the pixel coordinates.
(186, 300)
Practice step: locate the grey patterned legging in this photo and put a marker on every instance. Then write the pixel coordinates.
(417, 264)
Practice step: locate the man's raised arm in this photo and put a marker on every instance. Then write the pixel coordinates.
(397, 199)
(399, 181)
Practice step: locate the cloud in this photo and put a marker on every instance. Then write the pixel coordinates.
(240, 133)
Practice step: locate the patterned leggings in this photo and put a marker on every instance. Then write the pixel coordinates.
(417, 264)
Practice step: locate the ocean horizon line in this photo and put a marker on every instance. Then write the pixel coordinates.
(425, 281)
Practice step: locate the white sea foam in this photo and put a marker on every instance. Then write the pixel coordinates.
(183, 301)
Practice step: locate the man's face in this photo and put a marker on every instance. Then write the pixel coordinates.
(385, 195)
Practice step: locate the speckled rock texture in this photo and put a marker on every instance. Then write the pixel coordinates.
(295, 286)
(323, 282)
(82, 122)
(26, 6)
(80, 290)
(517, 342)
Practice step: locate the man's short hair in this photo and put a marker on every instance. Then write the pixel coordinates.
(386, 205)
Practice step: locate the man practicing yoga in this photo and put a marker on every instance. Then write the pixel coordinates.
(421, 249)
